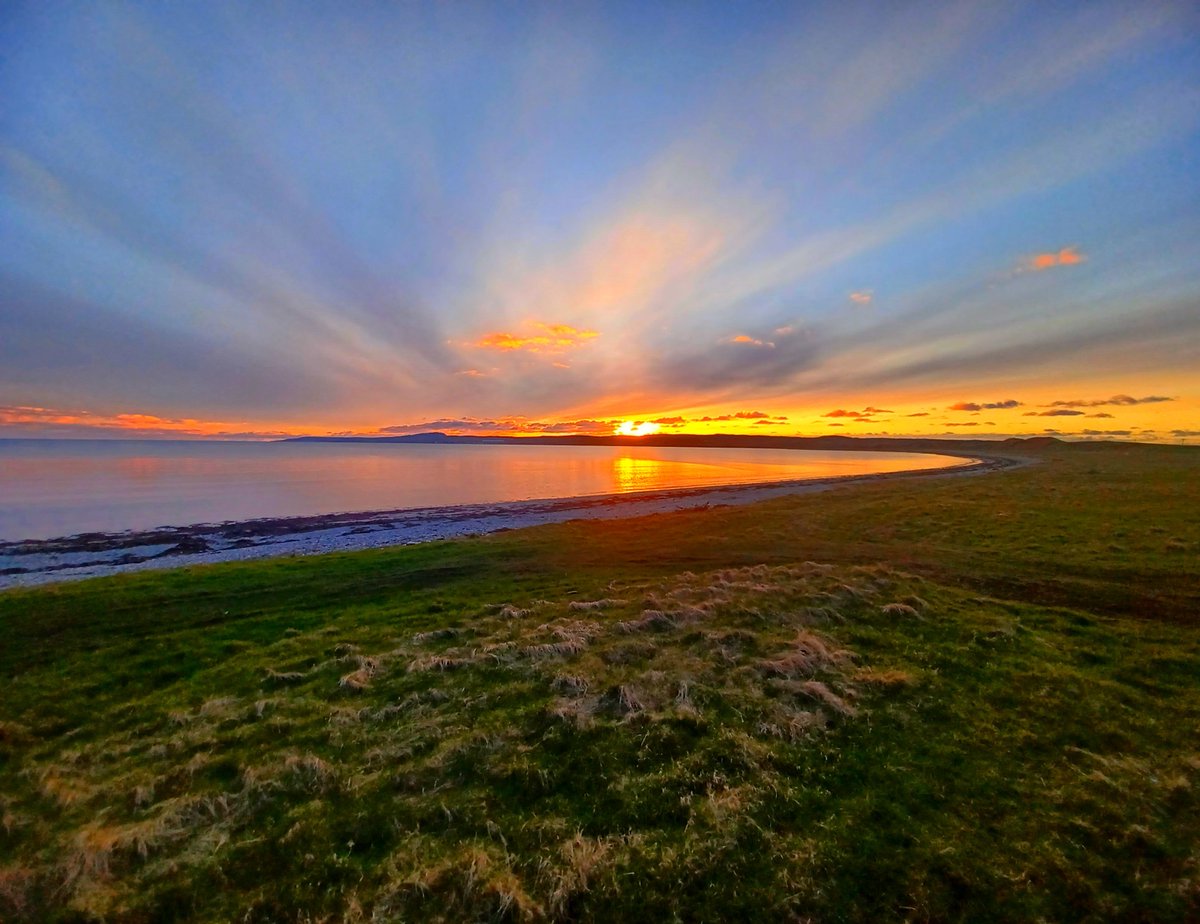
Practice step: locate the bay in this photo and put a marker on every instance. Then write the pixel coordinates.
(53, 488)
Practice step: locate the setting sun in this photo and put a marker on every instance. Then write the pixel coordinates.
(639, 428)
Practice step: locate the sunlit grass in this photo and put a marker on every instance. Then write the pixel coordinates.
(905, 701)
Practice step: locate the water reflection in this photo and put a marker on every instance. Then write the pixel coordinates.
(630, 474)
(55, 488)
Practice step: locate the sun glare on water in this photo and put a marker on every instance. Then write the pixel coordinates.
(640, 428)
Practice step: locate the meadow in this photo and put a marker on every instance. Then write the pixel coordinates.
(954, 699)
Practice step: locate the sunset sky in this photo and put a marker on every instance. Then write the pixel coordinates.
(309, 218)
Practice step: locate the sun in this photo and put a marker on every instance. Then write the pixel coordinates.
(636, 428)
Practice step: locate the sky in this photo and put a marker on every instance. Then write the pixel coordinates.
(247, 220)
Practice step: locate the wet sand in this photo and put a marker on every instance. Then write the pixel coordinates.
(89, 555)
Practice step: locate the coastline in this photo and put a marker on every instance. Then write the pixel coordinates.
(37, 562)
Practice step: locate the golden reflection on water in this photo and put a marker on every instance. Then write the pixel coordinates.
(632, 473)
(638, 474)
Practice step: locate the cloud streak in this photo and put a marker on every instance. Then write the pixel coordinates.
(992, 405)
(1117, 400)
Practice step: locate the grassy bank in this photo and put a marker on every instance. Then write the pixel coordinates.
(957, 699)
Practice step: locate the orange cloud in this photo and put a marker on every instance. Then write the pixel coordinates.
(865, 414)
(743, 338)
(1068, 256)
(551, 338)
(863, 296)
(740, 415)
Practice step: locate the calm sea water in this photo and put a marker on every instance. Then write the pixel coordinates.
(51, 488)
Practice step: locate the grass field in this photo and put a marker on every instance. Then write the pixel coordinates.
(964, 699)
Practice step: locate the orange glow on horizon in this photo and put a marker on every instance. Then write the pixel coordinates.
(136, 424)
(1079, 408)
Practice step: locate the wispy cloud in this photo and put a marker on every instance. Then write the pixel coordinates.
(1119, 400)
(1059, 412)
(863, 296)
(735, 368)
(508, 425)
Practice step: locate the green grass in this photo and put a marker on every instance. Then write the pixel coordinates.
(971, 699)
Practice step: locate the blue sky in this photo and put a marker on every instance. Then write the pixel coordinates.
(266, 218)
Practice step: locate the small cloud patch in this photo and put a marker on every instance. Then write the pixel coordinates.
(1068, 256)
(752, 341)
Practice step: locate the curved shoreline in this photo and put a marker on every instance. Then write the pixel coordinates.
(36, 562)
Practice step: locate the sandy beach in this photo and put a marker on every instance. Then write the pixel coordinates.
(30, 563)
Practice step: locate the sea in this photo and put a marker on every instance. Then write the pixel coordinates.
(56, 488)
